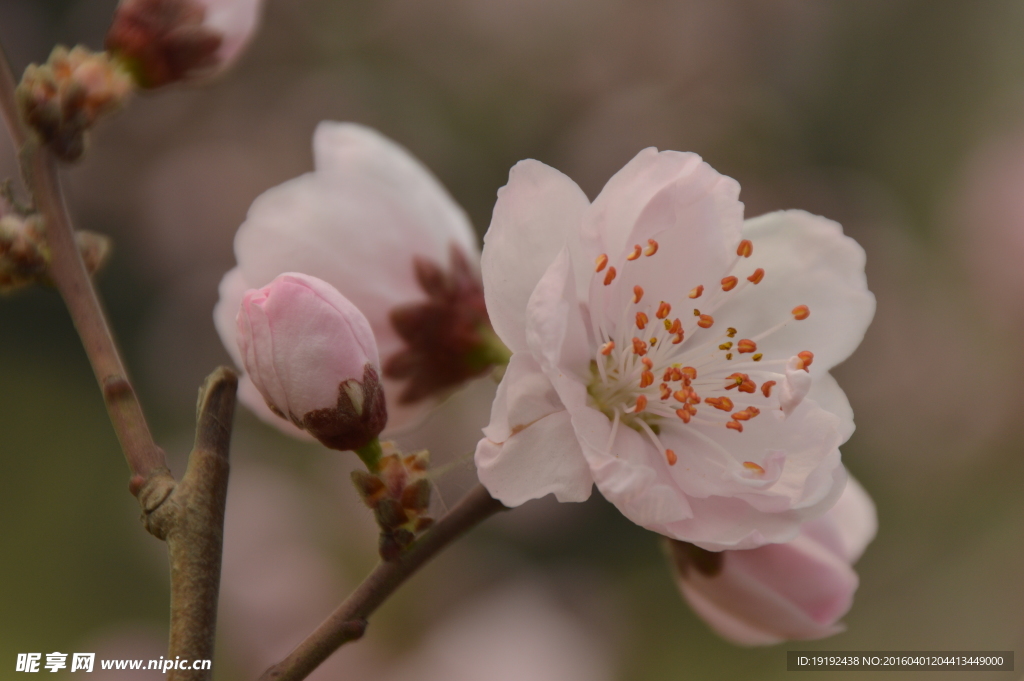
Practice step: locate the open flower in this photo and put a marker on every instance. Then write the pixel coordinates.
(795, 591)
(376, 225)
(166, 41)
(670, 352)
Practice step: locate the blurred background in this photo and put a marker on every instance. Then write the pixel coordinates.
(902, 119)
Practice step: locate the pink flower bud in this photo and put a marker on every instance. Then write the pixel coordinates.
(795, 591)
(166, 41)
(311, 354)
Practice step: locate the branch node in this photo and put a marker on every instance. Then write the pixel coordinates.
(154, 491)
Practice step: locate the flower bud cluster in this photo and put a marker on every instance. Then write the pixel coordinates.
(63, 98)
(399, 495)
(24, 256)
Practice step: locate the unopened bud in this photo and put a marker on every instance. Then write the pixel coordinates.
(62, 99)
(169, 41)
(399, 496)
(95, 249)
(312, 355)
(24, 256)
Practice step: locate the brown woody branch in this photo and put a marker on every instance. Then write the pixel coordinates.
(348, 622)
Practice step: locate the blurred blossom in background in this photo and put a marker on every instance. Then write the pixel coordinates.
(901, 119)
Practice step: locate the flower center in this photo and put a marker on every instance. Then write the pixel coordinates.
(652, 366)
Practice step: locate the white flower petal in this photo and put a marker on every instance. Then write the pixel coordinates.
(534, 213)
(525, 395)
(795, 385)
(807, 261)
(542, 459)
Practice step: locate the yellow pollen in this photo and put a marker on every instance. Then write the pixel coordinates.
(725, 346)
(696, 312)
(654, 341)
(801, 312)
(652, 248)
(728, 355)
(635, 254)
(757, 276)
(746, 249)
(730, 332)
(757, 357)
(695, 293)
(610, 277)
(729, 283)
(601, 262)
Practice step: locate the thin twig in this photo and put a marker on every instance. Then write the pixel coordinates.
(348, 622)
(69, 274)
(190, 517)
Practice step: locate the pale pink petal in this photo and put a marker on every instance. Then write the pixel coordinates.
(534, 213)
(524, 395)
(543, 458)
(807, 261)
(237, 21)
(795, 385)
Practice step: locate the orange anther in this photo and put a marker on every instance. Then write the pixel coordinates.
(668, 375)
(683, 414)
(681, 395)
(607, 348)
(746, 345)
(766, 388)
(638, 293)
(610, 277)
(807, 356)
(663, 310)
(801, 312)
(753, 411)
(723, 403)
(746, 249)
(748, 386)
(601, 262)
(635, 254)
(706, 321)
(652, 247)
(641, 321)
(729, 283)
(676, 326)
(741, 416)
(666, 391)
(671, 457)
(641, 403)
(695, 293)
(757, 276)
(646, 378)
(735, 425)
(750, 465)
(689, 372)
(639, 347)
(677, 339)
(646, 361)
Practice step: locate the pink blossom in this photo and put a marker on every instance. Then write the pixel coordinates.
(795, 591)
(311, 355)
(166, 41)
(375, 224)
(670, 352)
